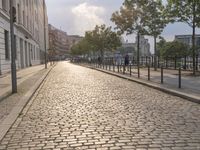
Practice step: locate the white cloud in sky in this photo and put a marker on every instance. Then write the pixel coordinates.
(78, 16)
(86, 16)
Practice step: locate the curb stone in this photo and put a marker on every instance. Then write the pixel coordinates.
(185, 96)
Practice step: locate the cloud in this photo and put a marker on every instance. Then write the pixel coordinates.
(86, 16)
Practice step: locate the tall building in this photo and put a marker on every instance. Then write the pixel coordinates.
(30, 30)
(60, 43)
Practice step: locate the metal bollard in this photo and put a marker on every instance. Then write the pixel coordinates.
(130, 69)
(149, 72)
(138, 71)
(162, 75)
(109, 65)
(124, 69)
(113, 67)
(179, 78)
(118, 68)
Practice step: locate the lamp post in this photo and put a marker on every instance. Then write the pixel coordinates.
(0, 65)
(13, 50)
(45, 48)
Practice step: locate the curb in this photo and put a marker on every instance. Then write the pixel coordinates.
(18, 108)
(185, 96)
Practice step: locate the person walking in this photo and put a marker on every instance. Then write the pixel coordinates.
(126, 61)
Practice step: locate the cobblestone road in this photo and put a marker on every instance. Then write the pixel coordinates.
(79, 108)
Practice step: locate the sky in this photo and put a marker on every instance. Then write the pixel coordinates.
(77, 16)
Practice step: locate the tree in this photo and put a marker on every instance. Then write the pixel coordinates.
(130, 19)
(81, 48)
(187, 11)
(155, 21)
(100, 39)
(160, 46)
(103, 39)
(174, 49)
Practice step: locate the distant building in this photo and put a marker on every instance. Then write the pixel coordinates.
(144, 46)
(74, 39)
(131, 48)
(187, 39)
(60, 43)
(29, 30)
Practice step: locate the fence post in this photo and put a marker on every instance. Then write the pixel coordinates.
(113, 66)
(179, 78)
(124, 69)
(118, 68)
(106, 64)
(161, 74)
(109, 63)
(149, 72)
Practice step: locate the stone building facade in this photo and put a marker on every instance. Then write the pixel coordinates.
(60, 43)
(30, 29)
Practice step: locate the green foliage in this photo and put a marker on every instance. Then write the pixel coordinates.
(172, 49)
(80, 48)
(100, 39)
(187, 11)
(160, 46)
(130, 17)
(155, 18)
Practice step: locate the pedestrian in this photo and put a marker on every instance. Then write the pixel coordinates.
(126, 60)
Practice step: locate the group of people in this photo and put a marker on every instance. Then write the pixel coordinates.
(119, 60)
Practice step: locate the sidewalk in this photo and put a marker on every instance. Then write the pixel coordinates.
(22, 75)
(28, 80)
(190, 85)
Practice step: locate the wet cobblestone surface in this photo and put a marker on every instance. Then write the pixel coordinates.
(80, 108)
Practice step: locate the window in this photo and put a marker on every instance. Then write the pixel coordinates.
(6, 36)
(19, 13)
(24, 19)
(4, 5)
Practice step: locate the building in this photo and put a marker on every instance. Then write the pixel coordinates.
(131, 48)
(60, 43)
(187, 39)
(74, 39)
(144, 46)
(31, 33)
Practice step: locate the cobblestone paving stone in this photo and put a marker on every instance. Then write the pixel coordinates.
(79, 108)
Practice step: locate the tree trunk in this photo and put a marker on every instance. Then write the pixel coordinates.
(155, 54)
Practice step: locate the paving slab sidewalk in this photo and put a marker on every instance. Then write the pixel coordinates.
(11, 105)
(190, 85)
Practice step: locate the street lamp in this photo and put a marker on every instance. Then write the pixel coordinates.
(13, 50)
(45, 48)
